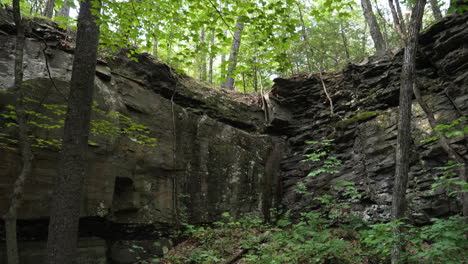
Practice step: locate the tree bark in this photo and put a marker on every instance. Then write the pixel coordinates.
(155, 46)
(223, 66)
(66, 199)
(212, 44)
(49, 8)
(236, 41)
(404, 128)
(202, 55)
(345, 41)
(398, 20)
(64, 10)
(435, 9)
(374, 27)
(305, 38)
(25, 147)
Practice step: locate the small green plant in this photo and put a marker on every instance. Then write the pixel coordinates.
(454, 129)
(449, 179)
(50, 117)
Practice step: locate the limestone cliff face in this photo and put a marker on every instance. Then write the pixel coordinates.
(365, 125)
(211, 155)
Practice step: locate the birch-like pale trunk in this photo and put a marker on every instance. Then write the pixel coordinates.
(232, 63)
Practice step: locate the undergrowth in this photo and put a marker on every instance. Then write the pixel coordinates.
(331, 234)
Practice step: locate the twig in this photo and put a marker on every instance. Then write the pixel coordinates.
(221, 16)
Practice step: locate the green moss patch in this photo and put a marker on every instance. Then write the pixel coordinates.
(360, 117)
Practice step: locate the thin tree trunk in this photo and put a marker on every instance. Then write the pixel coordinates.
(384, 21)
(212, 57)
(435, 9)
(49, 8)
(236, 41)
(345, 41)
(255, 78)
(305, 37)
(445, 144)
(25, 147)
(404, 129)
(243, 81)
(66, 199)
(400, 14)
(223, 66)
(155, 43)
(374, 27)
(65, 9)
(398, 20)
(202, 55)
(364, 39)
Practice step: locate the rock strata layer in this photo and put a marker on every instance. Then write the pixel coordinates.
(364, 126)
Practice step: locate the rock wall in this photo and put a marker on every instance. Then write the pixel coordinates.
(211, 155)
(364, 128)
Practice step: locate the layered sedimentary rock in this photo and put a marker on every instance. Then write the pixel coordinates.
(364, 126)
(210, 158)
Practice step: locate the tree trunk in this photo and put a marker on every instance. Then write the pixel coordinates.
(255, 79)
(65, 9)
(236, 41)
(212, 43)
(364, 39)
(374, 27)
(435, 9)
(345, 41)
(25, 147)
(305, 38)
(398, 20)
(243, 81)
(155, 46)
(66, 199)
(404, 128)
(384, 25)
(223, 66)
(49, 8)
(202, 55)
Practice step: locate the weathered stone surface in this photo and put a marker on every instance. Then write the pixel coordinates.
(211, 155)
(91, 251)
(366, 99)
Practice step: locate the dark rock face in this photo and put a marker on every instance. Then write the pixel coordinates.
(365, 128)
(211, 156)
(215, 151)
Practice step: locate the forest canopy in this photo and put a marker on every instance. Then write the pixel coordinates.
(274, 37)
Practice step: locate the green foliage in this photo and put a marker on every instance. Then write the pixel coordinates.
(449, 179)
(455, 129)
(330, 234)
(444, 241)
(307, 241)
(45, 122)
